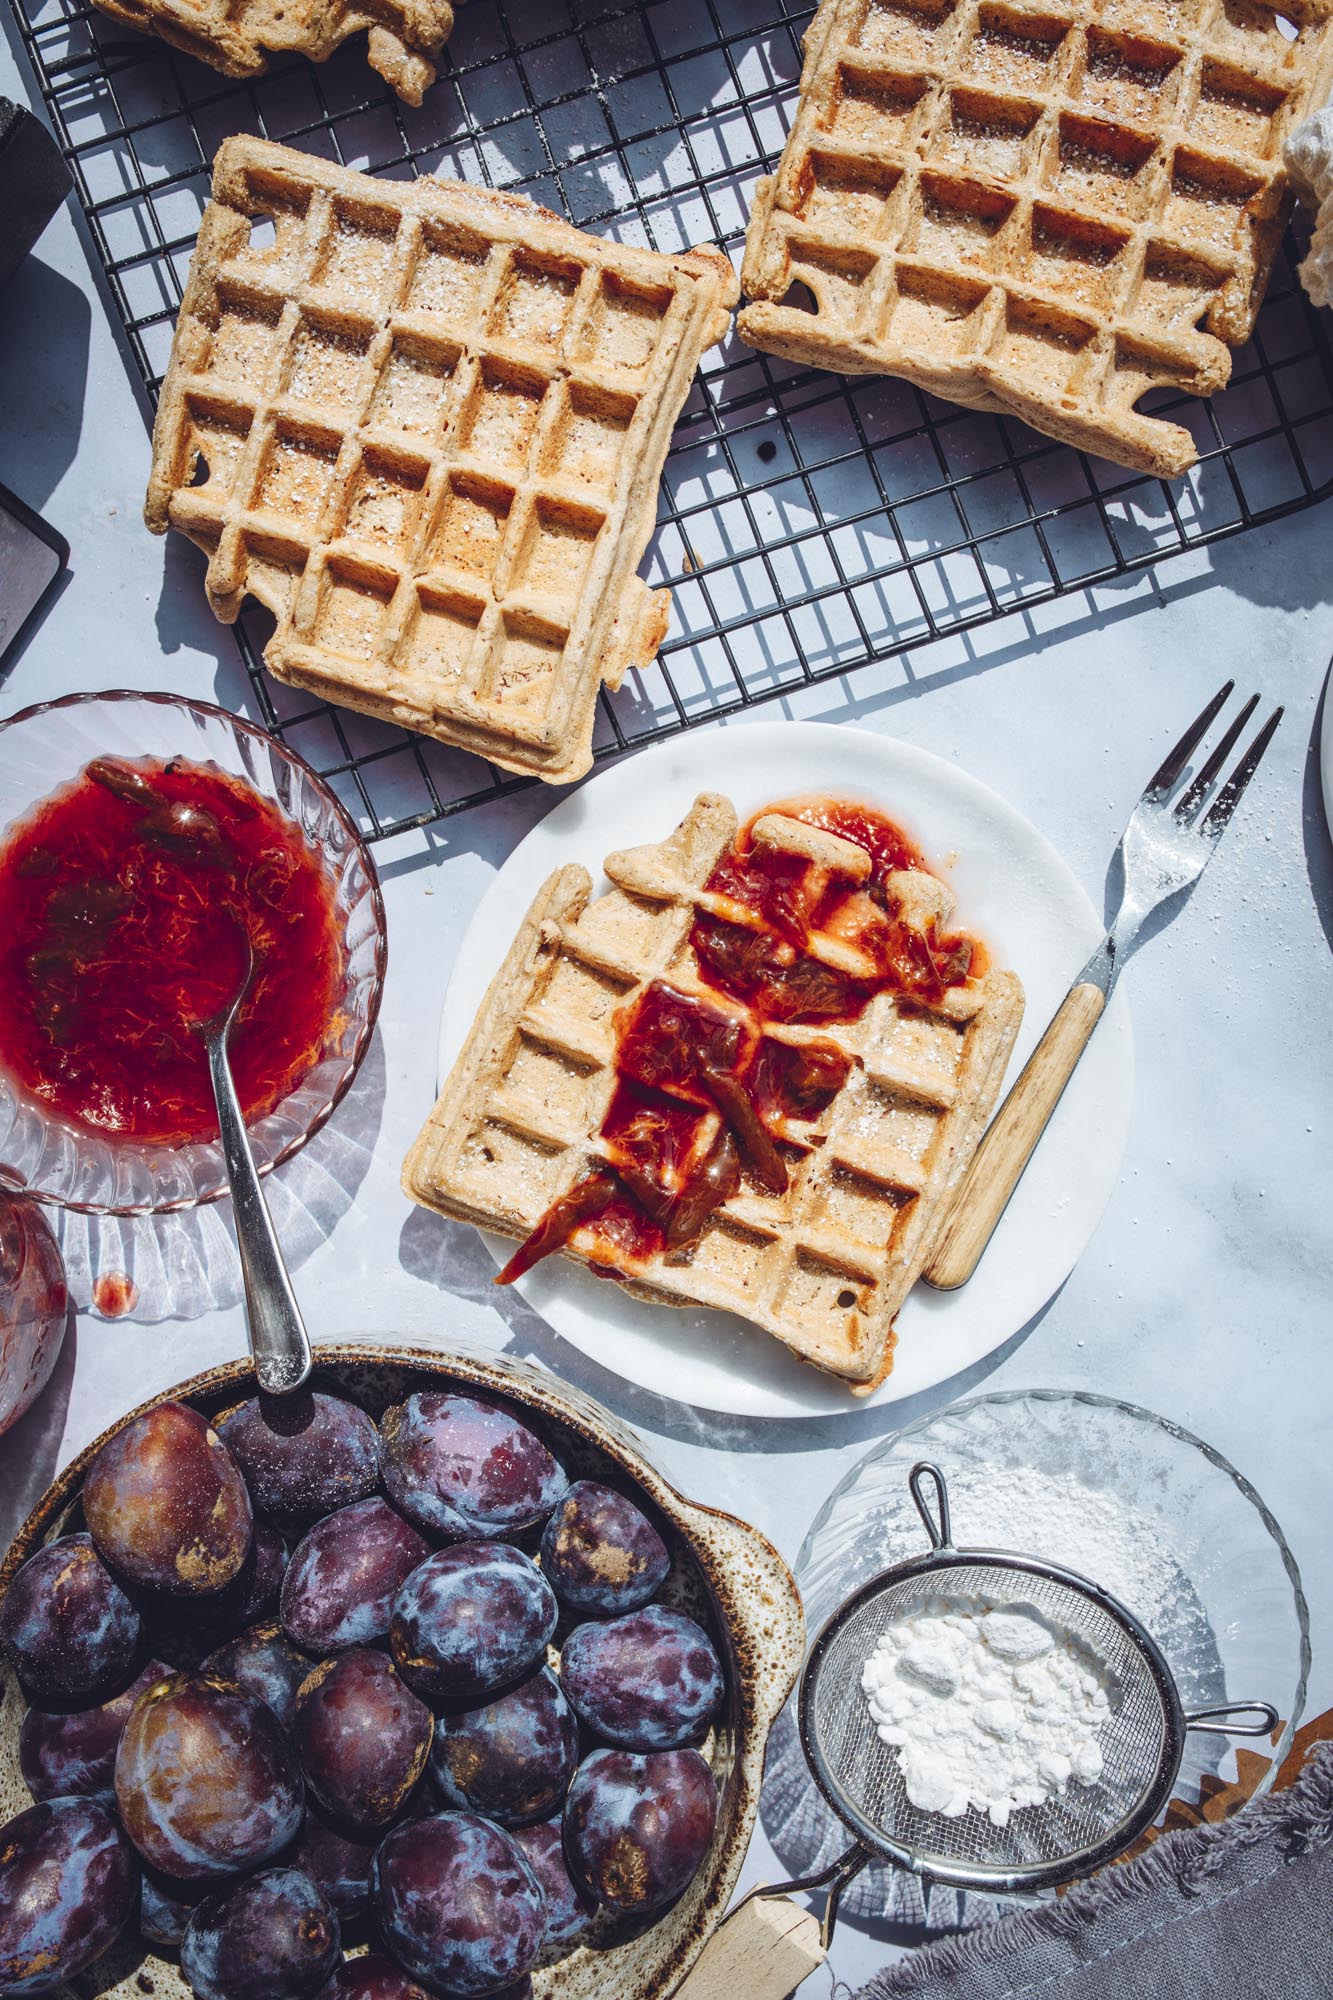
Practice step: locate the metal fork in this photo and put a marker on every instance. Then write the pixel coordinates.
(1166, 846)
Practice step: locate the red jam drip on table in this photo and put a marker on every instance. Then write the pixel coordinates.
(700, 1089)
(125, 900)
(115, 1294)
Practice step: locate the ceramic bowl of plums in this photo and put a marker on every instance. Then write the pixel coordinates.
(422, 1682)
(161, 860)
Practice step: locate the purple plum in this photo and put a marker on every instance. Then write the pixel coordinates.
(460, 1467)
(470, 1621)
(68, 1882)
(602, 1554)
(66, 1626)
(459, 1904)
(166, 1506)
(362, 1737)
(648, 1681)
(336, 1863)
(512, 1760)
(344, 1575)
(637, 1828)
(270, 1937)
(67, 1756)
(302, 1456)
(264, 1663)
(206, 1780)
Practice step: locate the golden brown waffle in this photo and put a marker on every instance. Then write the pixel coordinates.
(433, 421)
(824, 1266)
(1036, 207)
(238, 36)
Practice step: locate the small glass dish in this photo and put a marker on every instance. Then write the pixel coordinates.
(1206, 1568)
(45, 747)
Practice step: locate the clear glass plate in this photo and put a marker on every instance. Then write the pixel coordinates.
(1207, 1569)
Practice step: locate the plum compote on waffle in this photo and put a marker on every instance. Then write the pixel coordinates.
(702, 1092)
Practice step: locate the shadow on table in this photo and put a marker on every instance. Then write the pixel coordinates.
(452, 1257)
(1314, 821)
(883, 1901)
(185, 623)
(181, 1266)
(30, 1451)
(44, 327)
(44, 330)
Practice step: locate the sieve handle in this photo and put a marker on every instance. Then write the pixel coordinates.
(752, 1977)
(939, 1530)
(1202, 1720)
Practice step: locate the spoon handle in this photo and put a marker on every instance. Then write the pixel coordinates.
(278, 1339)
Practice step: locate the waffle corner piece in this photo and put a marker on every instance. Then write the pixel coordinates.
(404, 37)
(823, 1267)
(1045, 208)
(424, 425)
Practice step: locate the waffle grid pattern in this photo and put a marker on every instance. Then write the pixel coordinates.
(1037, 207)
(430, 422)
(823, 1267)
(238, 36)
(811, 526)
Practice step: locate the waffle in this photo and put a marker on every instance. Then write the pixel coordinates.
(823, 1267)
(432, 421)
(1045, 208)
(238, 36)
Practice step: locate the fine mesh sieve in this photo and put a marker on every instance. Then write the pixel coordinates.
(1043, 1845)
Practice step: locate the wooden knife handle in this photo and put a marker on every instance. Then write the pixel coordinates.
(761, 1952)
(998, 1163)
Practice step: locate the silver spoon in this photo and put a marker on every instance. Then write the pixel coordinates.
(278, 1339)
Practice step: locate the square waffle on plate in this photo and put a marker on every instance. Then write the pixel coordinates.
(575, 1109)
(1036, 207)
(238, 36)
(431, 421)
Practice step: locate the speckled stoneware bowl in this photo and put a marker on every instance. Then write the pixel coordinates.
(725, 1573)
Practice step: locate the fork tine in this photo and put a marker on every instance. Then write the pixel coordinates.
(1189, 802)
(1176, 759)
(1220, 811)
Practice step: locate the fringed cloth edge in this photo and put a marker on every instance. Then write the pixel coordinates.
(1296, 1820)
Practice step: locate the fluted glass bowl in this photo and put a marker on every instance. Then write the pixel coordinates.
(45, 747)
(1199, 1558)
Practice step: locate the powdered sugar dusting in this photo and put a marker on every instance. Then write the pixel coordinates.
(988, 1705)
(1058, 1518)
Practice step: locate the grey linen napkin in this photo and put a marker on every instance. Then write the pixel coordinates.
(1239, 1911)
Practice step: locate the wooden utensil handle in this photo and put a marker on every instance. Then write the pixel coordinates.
(998, 1163)
(762, 1952)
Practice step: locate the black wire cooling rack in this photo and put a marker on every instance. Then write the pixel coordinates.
(809, 524)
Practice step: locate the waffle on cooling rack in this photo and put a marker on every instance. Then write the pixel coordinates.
(433, 421)
(630, 1046)
(238, 36)
(1036, 207)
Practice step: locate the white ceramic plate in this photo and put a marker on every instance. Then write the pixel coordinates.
(1012, 888)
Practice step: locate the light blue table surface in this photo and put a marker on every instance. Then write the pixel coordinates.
(1205, 1293)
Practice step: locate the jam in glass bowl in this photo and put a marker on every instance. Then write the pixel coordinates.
(148, 845)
